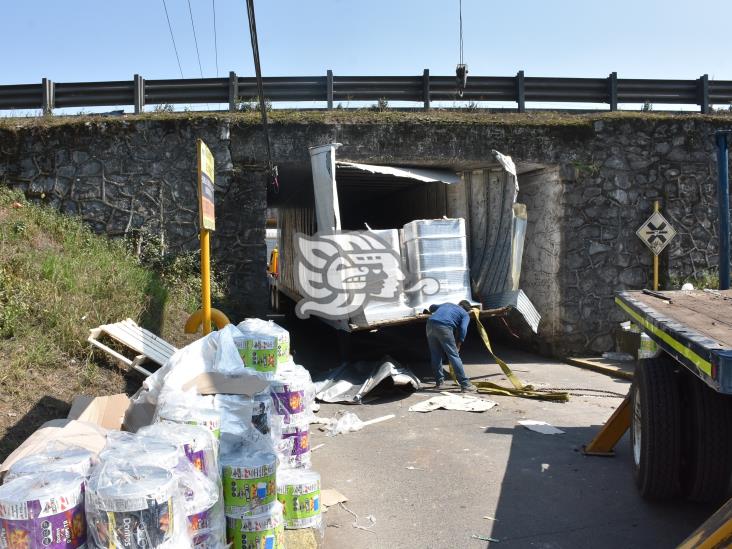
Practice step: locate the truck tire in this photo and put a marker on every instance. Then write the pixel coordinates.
(655, 430)
(707, 445)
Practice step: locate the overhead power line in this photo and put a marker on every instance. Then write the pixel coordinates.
(216, 40)
(170, 28)
(195, 39)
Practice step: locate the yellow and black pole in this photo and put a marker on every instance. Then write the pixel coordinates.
(207, 221)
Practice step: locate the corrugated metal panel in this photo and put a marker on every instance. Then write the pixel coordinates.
(519, 301)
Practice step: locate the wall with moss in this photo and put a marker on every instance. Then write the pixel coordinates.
(606, 171)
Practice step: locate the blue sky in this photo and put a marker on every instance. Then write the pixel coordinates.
(85, 40)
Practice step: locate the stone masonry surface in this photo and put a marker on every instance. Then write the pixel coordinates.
(604, 172)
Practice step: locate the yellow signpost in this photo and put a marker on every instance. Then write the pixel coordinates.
(207, 220)
(656, 233)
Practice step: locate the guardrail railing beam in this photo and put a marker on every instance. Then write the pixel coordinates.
(412, 89)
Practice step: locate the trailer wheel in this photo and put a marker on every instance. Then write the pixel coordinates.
(707, 446)
(655, 433)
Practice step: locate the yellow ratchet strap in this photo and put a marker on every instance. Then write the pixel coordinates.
(519, 389)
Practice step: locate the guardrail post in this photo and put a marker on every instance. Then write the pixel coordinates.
(612, 89)
(139, 93)
(329, 88)
(233, 90)
(49, 96)
(426, 89)
(704, 93)
(520, 91)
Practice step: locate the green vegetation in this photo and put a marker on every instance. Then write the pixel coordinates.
(250, 116)
(701, 280)
(57, 281)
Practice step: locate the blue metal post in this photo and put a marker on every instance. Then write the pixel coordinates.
(723, 205)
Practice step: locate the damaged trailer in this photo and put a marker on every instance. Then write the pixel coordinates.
(462, 229)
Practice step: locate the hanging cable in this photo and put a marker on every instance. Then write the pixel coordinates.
(216, 41)
(260, 91)
(461, 32)
(461, 71)
(195, 39)
(170, 28)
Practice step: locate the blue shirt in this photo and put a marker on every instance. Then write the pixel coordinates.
(452, 316)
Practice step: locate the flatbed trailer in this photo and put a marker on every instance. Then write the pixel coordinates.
(679, 408)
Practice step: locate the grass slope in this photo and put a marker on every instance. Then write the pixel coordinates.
(58, 280)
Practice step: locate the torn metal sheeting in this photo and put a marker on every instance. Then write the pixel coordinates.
(449, 401)
(351, 382)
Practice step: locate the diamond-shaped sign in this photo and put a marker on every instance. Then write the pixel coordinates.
(656, 233)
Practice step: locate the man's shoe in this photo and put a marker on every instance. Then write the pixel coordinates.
(439, 384)
(470, 388)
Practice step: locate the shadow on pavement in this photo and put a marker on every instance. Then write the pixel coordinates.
(595, 509)
(45, 409)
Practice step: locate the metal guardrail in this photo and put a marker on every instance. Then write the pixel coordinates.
(329, 88)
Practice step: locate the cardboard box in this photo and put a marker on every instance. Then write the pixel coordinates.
(141, 412)
(67, 431)
(214, 383)
(105, 411)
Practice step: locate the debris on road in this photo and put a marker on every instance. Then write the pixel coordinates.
(450, 401)
(331, 497)
(484, 538)
(347, 423)
(370, 518)
(351, 382)
(540, 427)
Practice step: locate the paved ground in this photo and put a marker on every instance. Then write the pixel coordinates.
(541, 491)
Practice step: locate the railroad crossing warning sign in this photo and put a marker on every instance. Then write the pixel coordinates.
(656, 233)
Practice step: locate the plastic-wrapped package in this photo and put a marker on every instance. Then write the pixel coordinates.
(135, 449)
(262, 344)
(235, 412)
(431, 228)
(215, 352)
(196, 442)
(54, 458)
(43, 511)
(265, 529)
(262, 411)
(294, 449)
(248, 476)
(298, 490)
(293, 393)
(189, 408)
(194, 465)
(135, 506)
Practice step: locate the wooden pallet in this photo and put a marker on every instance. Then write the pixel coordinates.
(144, 343)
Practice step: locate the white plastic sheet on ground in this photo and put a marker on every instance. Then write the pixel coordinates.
(449, 401)
(352, 382)
(540, 427)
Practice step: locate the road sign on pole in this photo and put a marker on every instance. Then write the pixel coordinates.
(656, 233)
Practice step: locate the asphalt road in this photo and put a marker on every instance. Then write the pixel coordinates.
(429, 480)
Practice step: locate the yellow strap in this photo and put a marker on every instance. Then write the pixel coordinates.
(519, 389)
